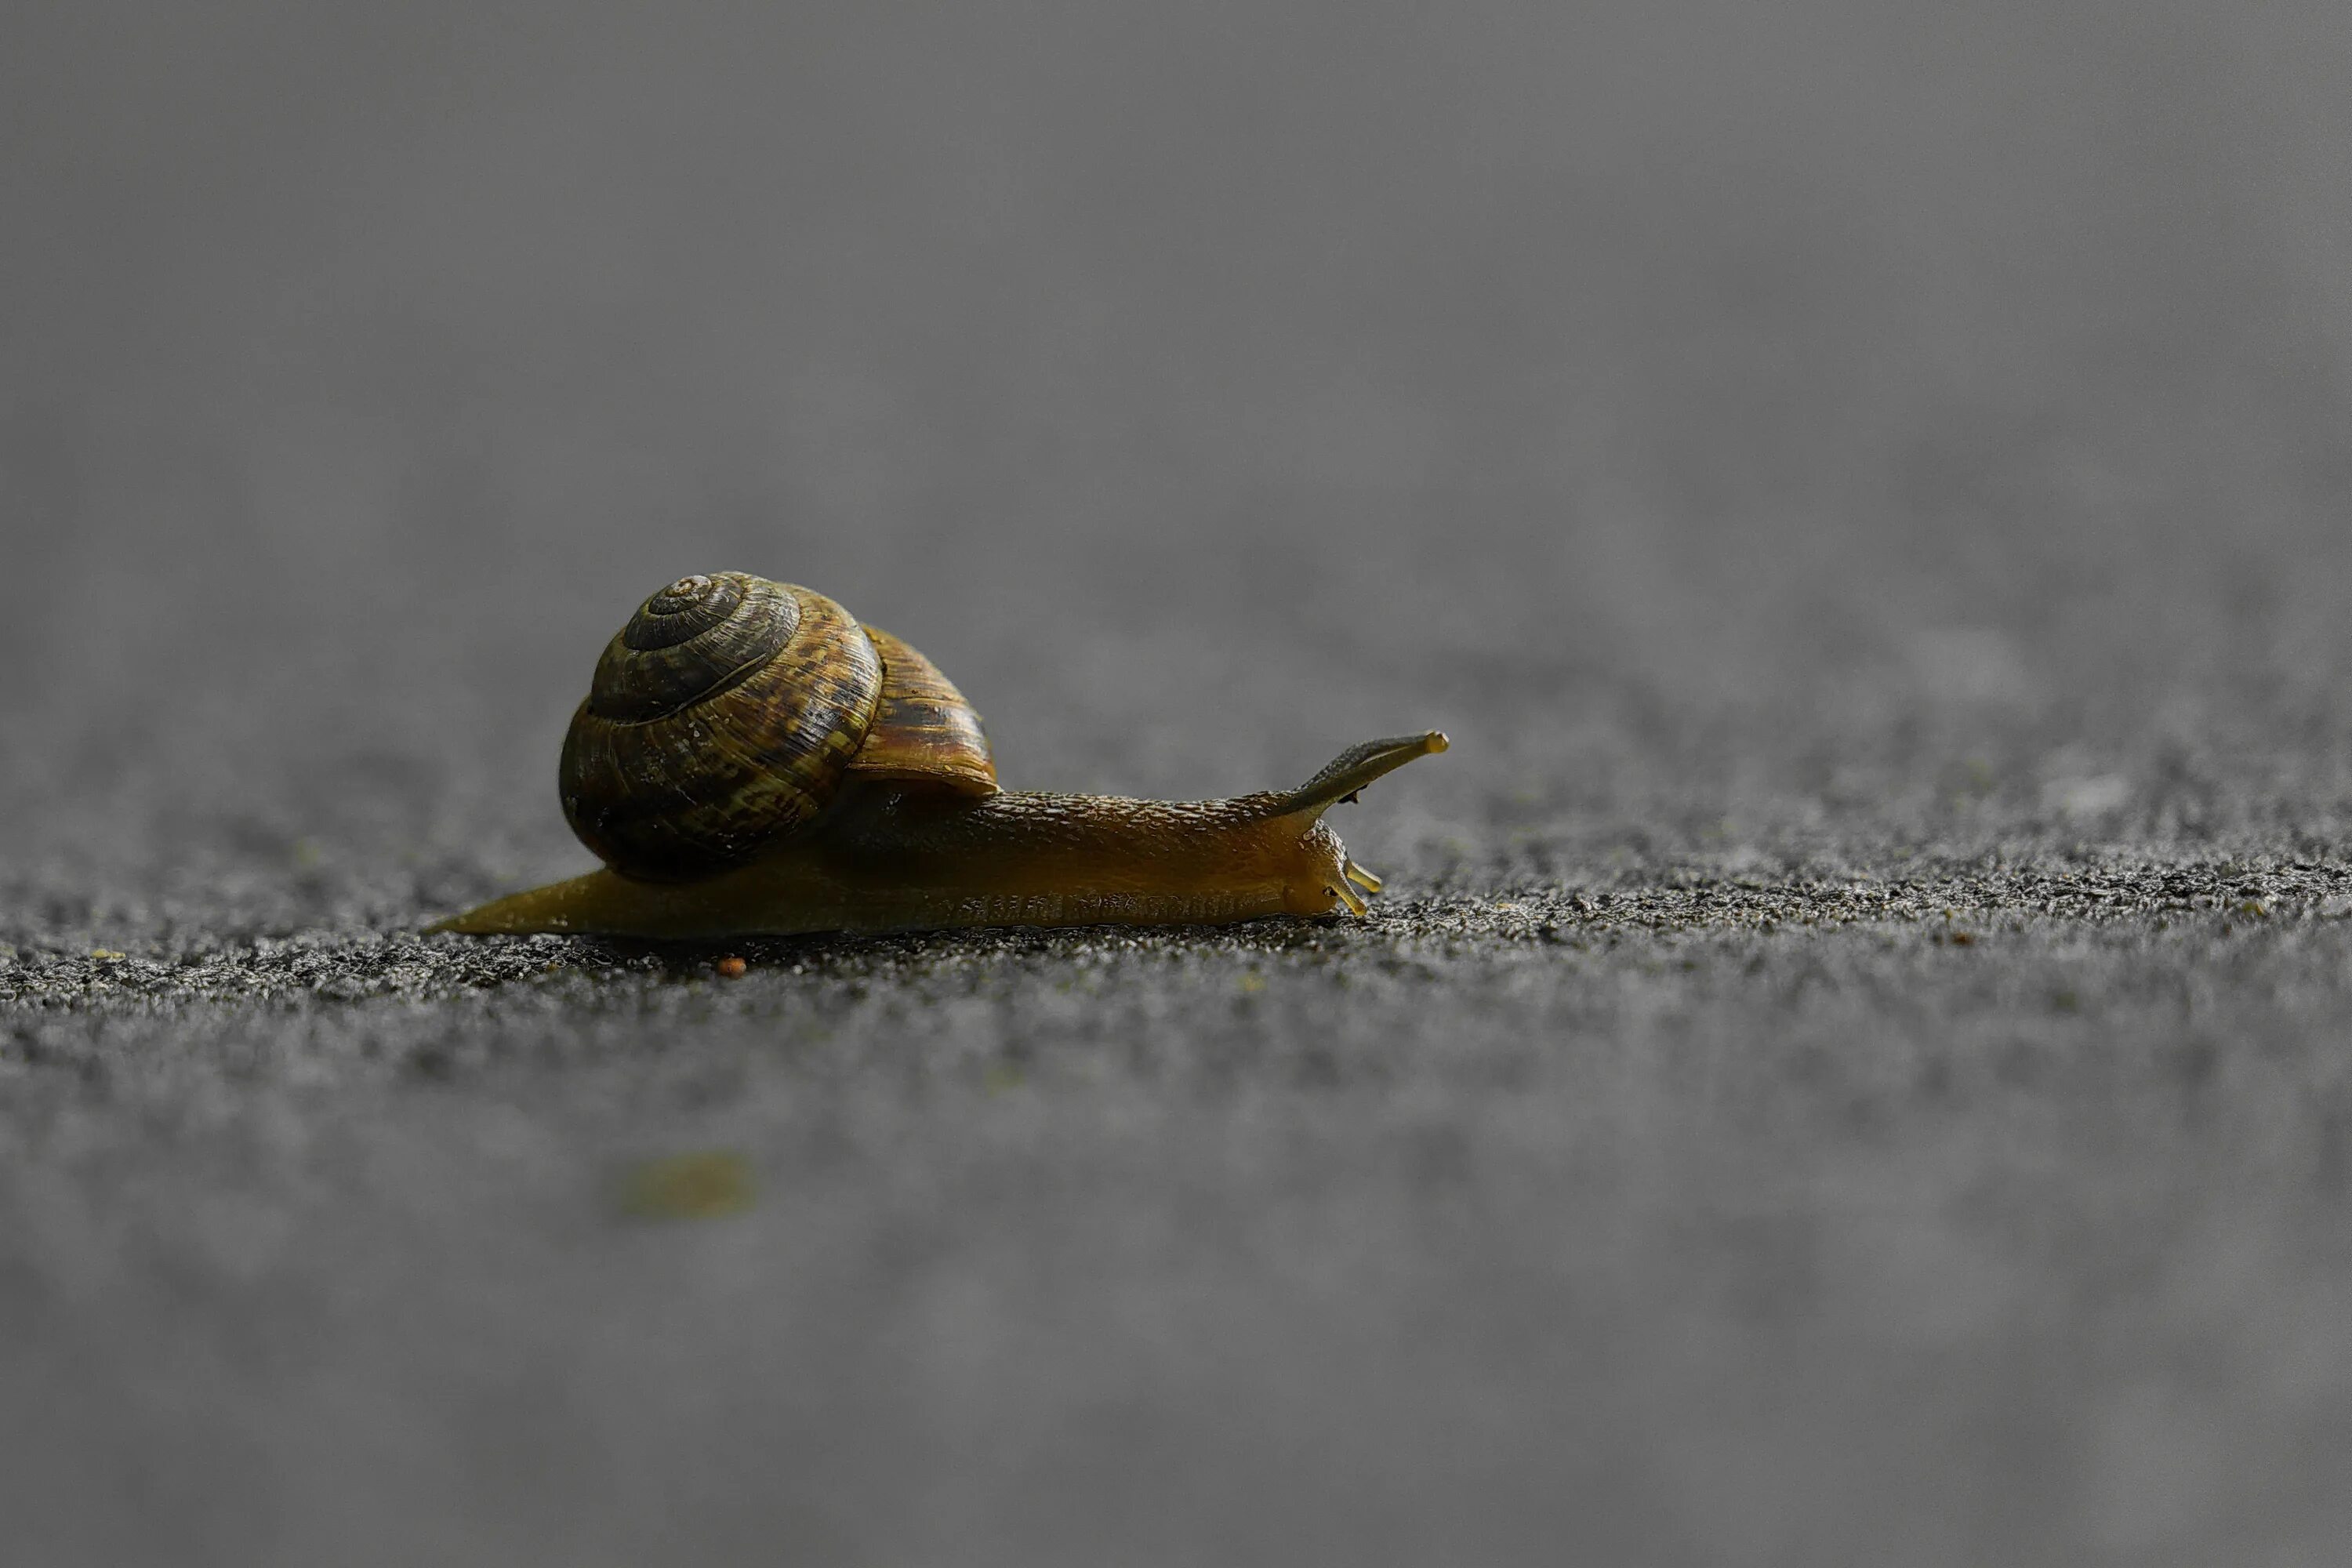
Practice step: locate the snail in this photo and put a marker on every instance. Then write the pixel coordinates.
(752, 760)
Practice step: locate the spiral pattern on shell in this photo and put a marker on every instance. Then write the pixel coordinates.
(720, 718)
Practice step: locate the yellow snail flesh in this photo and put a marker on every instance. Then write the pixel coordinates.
(750, 760)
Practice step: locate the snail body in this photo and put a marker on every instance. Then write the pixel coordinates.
(752, 761)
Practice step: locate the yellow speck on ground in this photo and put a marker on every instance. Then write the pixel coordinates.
(1252, 983)
(107, 953)
(705, 1185)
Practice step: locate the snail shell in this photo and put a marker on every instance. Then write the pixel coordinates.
(732, 711)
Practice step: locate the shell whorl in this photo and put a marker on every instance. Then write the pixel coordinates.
(721, 719)
(690, 642)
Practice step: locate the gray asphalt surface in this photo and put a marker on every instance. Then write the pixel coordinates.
(1853, 1063)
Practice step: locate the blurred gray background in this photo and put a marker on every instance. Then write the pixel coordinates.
(1790, 439)
(1494, 367)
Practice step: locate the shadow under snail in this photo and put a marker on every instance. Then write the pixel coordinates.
(752, 760)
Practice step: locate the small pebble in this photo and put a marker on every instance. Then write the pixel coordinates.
(706, 1184)
(732, 967)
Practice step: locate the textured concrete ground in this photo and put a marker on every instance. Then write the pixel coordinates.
(1853, 1066)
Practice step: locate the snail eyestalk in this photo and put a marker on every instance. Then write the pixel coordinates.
(1354, 768)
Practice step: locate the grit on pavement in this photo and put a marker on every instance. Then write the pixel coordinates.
(1854, 1061)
